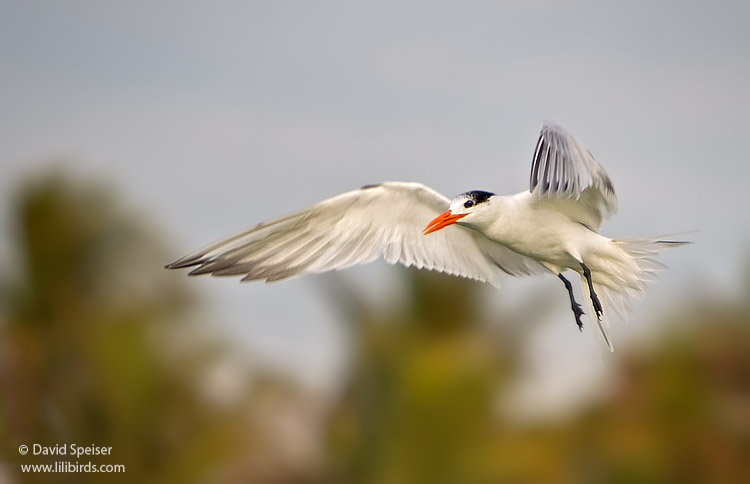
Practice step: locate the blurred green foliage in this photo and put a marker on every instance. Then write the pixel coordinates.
(99, 345)
(87, 329)
(419, 405)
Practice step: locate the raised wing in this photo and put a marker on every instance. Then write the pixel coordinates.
(356, 227)
(565, 171)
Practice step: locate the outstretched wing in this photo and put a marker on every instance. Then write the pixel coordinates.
(565, 173)
(356, 227)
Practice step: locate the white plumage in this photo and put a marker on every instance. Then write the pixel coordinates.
(550, 227)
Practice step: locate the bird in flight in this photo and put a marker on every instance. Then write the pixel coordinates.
(551, 227)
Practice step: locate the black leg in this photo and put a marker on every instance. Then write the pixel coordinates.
(573, 304)
(592, 293)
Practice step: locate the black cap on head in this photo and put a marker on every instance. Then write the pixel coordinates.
(479, 196)
(474, 197)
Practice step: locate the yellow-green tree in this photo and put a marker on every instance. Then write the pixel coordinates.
(95, 347)
(419, 403)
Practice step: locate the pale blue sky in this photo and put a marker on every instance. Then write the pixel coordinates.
(213, 116)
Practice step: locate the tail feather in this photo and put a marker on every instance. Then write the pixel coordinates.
(615, 290)
(642, 252)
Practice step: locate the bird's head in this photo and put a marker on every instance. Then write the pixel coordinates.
(465, 209)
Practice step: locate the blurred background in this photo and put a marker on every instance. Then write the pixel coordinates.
(132, 133)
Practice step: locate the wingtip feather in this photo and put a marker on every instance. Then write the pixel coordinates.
(184, 262)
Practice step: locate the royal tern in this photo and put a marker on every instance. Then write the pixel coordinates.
(551, 227)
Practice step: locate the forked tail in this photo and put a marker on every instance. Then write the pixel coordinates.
(638, 265)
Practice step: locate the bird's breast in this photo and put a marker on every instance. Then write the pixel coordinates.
(542, 235)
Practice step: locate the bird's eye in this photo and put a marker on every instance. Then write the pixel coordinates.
(469, 203)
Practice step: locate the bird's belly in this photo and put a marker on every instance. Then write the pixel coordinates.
(544, 249)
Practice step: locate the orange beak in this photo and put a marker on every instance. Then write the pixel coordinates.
(443, 220)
